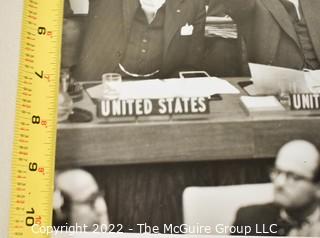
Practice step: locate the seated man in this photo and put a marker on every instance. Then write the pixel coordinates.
(141, 38)
(78, 201)
(295, 210)
(279, 32)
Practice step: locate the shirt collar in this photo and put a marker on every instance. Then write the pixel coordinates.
(151, 5)
(297, 6)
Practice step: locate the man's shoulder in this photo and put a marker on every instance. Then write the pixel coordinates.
(259, 207)
(257, 217)
(268, 211)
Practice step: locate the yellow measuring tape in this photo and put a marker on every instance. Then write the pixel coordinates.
(36, 112)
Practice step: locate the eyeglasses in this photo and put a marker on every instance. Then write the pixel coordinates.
(90, 200)
(290, 176)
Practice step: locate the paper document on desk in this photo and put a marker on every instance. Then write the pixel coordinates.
(199, 87)
(262, 103)
(275, 80)
(313, 80)
(169, 88)
(153, 88)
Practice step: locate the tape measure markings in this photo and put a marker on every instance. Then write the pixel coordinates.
(35, 130)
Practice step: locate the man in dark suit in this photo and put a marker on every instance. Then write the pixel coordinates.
(295, 210)
(283, 33)
(141, 38)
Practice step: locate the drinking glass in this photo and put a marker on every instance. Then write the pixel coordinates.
(111, 85)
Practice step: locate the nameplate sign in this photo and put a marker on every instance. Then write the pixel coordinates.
(305, 101)
(151, 107)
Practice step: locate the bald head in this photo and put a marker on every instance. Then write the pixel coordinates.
(300, 157)
(297, 166)
(78, 201)
(77, 183)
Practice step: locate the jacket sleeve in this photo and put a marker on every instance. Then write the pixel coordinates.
(239, 9)
(216, 8)
(197, 43)
(71, 36)
(67, 10)
(239, 222)
(195, 49)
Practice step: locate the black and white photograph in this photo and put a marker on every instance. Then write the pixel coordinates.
(196, 117)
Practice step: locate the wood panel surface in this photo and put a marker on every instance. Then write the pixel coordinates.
(228, 132)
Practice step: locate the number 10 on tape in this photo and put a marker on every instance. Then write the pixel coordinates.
(35, 125)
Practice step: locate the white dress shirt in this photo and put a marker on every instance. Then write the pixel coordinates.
(151, 7)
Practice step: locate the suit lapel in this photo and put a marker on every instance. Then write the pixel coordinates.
(175, 18)
(310, 9)
(129, 10)
(282, 17)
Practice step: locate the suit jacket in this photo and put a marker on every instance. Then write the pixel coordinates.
(265, 220)
(215, 8)
(108, 27)
(269, 33)
(260, 218)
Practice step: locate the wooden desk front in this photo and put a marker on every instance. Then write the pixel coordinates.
(144, 166)
(228, 133)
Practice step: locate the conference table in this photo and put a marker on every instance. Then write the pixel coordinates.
(145, 164)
